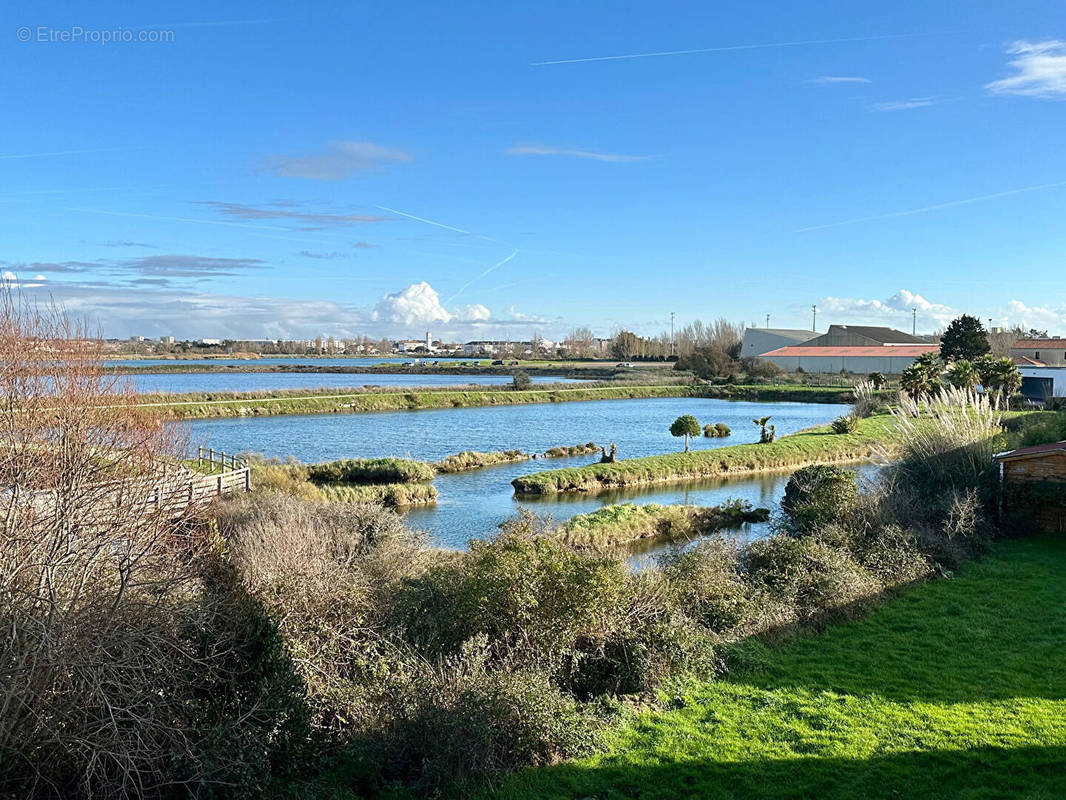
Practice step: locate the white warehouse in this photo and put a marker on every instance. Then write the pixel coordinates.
(1040, 383)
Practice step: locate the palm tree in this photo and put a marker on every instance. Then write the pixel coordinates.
(922, 378)
(1005, 379)
(962, 374)
(766, 435)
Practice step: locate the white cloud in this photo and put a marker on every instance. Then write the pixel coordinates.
(1039, 70)
(419, 303)
(1041, 317)
(829, 79)
(10, 276)
(904, 105)
(473, 313)
(39, 278)
(894, 311)
(519, 316)
(546, 150)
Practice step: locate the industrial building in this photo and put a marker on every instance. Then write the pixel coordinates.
(859, 349)
(762, 340)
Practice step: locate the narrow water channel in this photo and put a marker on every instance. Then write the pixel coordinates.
(472, 504)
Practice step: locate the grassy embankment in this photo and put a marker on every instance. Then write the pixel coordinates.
(472, 370)
(331, 401)
(955, 689)
(618, 525)
(390, 481)
(818, 445)
(472, 459)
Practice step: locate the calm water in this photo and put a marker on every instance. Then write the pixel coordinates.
(267, 381)
(472, 504)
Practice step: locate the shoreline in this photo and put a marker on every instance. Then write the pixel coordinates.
(215, 405)
(813, 446)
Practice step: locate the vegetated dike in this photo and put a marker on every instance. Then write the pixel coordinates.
(211, 405)
(818, 445)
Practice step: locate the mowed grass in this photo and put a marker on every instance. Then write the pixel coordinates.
(957, 689)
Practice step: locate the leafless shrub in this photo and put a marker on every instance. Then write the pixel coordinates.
(98, 580)
(325, 573)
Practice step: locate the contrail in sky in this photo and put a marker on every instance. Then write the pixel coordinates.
(726, 49)
(493, 268)
(14, 156)
(220, 23)
(423, 219)
(937, 207)
(464, 287)
(60, 191)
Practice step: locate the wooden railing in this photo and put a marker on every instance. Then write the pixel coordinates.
(211, 456)
(173, 490)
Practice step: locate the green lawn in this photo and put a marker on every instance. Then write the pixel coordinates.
(955, 690)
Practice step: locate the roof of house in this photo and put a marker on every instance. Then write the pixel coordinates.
(899, 351)
(1039, 344)
(1025, 361)
(880, 334)
(1031, 452)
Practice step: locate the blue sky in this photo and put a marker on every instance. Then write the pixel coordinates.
(386, 168)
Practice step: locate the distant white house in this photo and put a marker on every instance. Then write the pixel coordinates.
(1040, 383)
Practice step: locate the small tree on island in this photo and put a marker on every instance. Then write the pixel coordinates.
(964, 339)
(686, 425)
(521, 381)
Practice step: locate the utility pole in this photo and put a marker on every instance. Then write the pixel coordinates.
(814, 318)
(767, 320)
(673, 341)
(914, 321)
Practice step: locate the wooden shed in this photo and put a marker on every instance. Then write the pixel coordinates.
(1034, 483)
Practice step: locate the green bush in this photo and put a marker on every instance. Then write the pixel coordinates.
(393, 495)
(706, 582)
(529, 595)
(716, 430)
(818, 495)
(370, 470)
(845, 424)
(471, 459)
(468, 718)
(808, 578)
